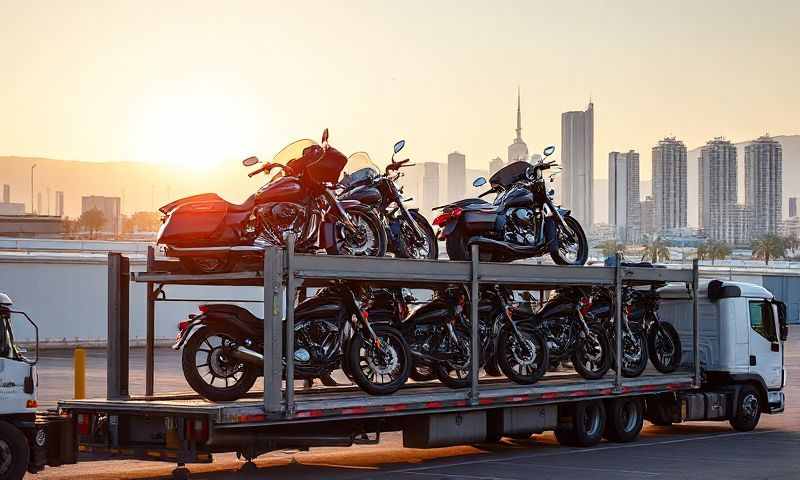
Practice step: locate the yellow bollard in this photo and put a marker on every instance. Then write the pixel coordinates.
(79, 370)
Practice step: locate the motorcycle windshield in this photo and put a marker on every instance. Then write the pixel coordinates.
(292, 151)
(510, 174)
(360, 169)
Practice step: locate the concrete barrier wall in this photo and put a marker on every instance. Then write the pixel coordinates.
(67, 297)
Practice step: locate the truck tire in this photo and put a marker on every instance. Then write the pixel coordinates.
(660, 411)
(14, 452)
(625, 418)
(747, 411)
(587, 421)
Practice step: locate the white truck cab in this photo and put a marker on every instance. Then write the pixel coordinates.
(24, 432)
(742, 333)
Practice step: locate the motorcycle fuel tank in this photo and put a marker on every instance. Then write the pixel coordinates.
(365, 194)
(519, 197)
(286, 189)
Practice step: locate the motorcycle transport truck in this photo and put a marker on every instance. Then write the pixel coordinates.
(732, 336)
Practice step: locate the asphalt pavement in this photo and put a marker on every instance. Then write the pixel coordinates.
(705, 450)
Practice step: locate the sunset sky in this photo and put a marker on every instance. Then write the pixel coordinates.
(199, 83)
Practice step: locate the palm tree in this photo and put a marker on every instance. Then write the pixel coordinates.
(713, 250)
(609, 248)
(791, 243)
(768, 246)
(655, 249)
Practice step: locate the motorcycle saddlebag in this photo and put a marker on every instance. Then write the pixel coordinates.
(194, 224)
(478, 222)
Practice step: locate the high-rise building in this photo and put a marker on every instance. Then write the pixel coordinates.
(110, 206)
(518, 150)
(59, 203)
(577, 158)
(669, 185)
(39, 210)
(495, 164)
(740, 219)
(456, 175)
(647, 210)
(623, 195)
(763, 179)
(717, 190)
(792, 207)
(429, 191)
(6, 193)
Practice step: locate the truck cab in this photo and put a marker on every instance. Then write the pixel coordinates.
(742, 333)
(24, 432)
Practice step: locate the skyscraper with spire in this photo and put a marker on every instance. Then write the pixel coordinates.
(518, 150)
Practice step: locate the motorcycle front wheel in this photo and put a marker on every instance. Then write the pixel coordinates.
(368, 241)
(634, 353)
(455, 371)
(523, 360)
(382, 367)
(409, 246)
(210, 369)
(592, 355)
(569, 249)
(664, 347)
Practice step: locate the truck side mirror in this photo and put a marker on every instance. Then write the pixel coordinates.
(784, 327)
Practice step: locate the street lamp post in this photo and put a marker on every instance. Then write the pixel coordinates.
(32, 204)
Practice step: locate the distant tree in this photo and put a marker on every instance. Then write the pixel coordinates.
(655, 249)
(609, 248)
(146, 221)
(92, 220)
(713, 250)
(70, 226)
(767, 247)
(791, 243)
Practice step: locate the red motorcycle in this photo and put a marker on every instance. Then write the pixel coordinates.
(211, 235)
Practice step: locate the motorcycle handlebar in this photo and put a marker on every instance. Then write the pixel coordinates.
(256, 172)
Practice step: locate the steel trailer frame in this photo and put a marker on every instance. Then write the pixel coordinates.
(284, 272)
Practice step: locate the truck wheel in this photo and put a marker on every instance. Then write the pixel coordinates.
(14, 452)
(660, 411)
(625, 418)
(748, 409)
(586, 428)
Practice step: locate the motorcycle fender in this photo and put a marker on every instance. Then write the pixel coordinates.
(185, 335)
(230, 323)
(449, 228)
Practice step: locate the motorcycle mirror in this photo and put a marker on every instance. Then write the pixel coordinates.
(250, 161)
(325, 136)
(399, 146)
(549, 150)
(478, 182)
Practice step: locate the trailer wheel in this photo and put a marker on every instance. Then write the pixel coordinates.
(14, 452)
(660, 410)
(585, 428)
(625, 418)
(748, 409)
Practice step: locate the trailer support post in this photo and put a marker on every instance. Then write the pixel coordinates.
(273, 331)
(696, 322)
(618, 322)
(474, 323)
(150, 336)
(118, 326)
(291, 294)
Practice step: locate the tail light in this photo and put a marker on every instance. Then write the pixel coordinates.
(447, 216)
(197, 429)
(586, 305)
(628, 309)
(203, 308)
(184, 325)
(84, 423)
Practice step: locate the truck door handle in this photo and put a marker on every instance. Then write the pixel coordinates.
(776, 347)
(752, 360)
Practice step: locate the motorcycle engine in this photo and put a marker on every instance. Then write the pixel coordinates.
(279, 219)
(521, 226)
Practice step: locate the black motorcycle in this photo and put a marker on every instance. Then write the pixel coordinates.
(634, 340)
(663, 341)
(439, 334)
(522, 222)
(562, 319)
(408, 232)
(221, 347)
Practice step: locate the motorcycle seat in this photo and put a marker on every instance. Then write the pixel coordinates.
(234, 310)
(245, 206)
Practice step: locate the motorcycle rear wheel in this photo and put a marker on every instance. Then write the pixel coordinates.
(208, 345)
(458, 249)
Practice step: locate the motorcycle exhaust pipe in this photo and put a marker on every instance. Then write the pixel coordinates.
(247, 355)
(195, 251)
(498, 246)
